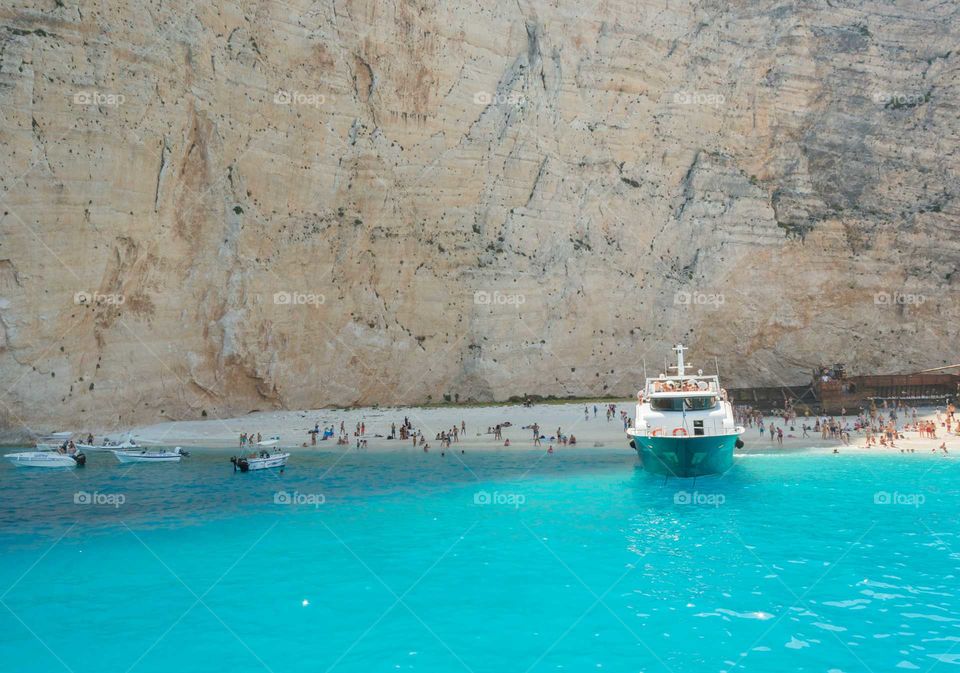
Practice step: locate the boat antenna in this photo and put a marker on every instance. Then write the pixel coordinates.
(679, 351)
(716, 363)
(644, 369)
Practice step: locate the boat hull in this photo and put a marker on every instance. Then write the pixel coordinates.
(41, 459)
(685, 456)
(122, 446)
(277, 460)
(147, 457)
(252, 464)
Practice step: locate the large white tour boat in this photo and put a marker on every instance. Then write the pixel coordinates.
(684, 424)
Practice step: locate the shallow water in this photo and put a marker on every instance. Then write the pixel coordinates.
(503, 561)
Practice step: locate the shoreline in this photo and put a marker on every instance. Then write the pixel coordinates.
(592, 431)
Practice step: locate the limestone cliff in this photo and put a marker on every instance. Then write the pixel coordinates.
(212, 207)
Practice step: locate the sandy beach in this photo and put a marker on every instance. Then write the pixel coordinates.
(590, 431)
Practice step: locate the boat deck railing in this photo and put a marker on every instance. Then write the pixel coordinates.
(676, 384)
(716, 430)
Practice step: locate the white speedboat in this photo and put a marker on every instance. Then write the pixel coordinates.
(108, 445)
(46, 459)
(154, 456)
(263, 460)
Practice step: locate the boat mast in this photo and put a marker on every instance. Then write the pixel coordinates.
(679, 351)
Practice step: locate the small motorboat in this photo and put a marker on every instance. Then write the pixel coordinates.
(47, 459)
(154, 456)
(259, 461)
(108, 445)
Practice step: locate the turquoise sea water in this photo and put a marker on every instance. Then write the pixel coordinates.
(511, 561)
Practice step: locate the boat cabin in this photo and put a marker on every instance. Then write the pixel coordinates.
(683, 405)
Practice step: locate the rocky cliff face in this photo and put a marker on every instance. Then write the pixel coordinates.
(214, 207)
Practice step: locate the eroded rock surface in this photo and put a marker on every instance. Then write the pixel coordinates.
(474, 200)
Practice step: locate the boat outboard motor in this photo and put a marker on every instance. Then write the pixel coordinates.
(80, 459)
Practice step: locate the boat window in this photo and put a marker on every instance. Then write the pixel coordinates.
(666, 403)
(682, 403)
(699, 403)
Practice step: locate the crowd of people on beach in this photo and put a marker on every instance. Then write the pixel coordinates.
(882, 425)
(444, 439)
